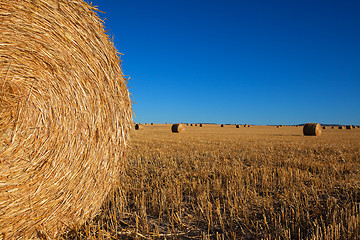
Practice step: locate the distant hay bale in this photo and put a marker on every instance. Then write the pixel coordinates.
(323, 127)
(332, 127)
(222, 125)
(195, 125)
(191, 125)
(200, 125)
(348, 127)
(237, 126)
(178, 128)
(152, 124)
(340, 127)
(65, 116)
(312, 129)
(245, 125)
(139, 127)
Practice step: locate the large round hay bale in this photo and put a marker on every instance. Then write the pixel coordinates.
(178, 128)
(65, 116)
(245, 125)
(222, 125)
(200, 125)
(340, 127)
(237, 126)
(139, 127)
(348, 127)
(312, 129)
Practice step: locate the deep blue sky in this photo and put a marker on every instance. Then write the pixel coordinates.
(239, 61)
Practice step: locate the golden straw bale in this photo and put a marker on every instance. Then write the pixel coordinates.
(237, 126)
(178, 128)
(65, 116)
(312, 129)
(139, 127)
(245, 125)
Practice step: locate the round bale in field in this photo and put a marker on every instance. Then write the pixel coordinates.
(178, 128)
(65, 116)
(200, 125)
(340, 127)
(222, 125)
(245, 125)
(312, 129)
(139, 127)
(348, 127)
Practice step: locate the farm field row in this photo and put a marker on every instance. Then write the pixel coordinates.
(214, 182)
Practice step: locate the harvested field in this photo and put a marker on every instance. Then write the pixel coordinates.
(261, 182)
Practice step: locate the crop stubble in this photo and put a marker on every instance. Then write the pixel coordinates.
(247, 183)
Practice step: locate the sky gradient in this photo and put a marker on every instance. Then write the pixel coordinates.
(234, 61)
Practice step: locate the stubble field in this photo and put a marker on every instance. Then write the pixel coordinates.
(259, 182)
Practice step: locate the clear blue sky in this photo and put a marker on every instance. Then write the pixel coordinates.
(239, 61)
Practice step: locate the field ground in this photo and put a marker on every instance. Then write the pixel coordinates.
(259, 182)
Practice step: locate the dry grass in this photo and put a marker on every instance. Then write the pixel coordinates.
(226, 183)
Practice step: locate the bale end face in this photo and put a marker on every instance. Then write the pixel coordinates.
(178, 128)
(62, 84)
(139, 127)
(312, 129)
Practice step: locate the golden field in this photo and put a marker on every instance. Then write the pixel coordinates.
(212, 182)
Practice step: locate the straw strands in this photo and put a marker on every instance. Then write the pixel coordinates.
(178, 128)
(65, 115)
(312, 129)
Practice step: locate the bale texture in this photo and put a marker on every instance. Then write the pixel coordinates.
(65, 115)
(139, 127)
(312, 129)
(178, 128)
